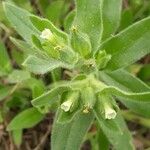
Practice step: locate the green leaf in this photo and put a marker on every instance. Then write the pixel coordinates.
(27, 49)
(126, 18)
(111, 14)
(42, 66)
(69, 136)
(127, 82)
(140, 97)
(49, 97)
(55, 10)
(144, 73)
(5, 65)
(4, 92)
(88, 19)
(66, 117)
(17, 137)
(124, 81)
(120, 140)
(128, 46)
(19, 18)
(69, 20)
(26, 119)
(18, 76)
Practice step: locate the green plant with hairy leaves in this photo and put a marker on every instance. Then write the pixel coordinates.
(96, 57)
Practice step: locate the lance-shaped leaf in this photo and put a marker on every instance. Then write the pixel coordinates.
(88, 19)
(42, 66)
(26, 119)
(69, 136)
(129, 45)
(69, 20)
(4, 92)
(19, 18)
(127, 82)
(5, 65)
(27, 49)
(120, 139)
(18, 76)
(49, 97)
(140, 97)
(111, 14)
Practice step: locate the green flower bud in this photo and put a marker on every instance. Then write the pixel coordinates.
(88, 98)
(107, 107)
(71, 102)
(102, 59)
(49, 36)
(80, 42)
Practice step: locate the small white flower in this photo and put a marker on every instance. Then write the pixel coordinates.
(66, 106)
(110, 113)
(46, 34)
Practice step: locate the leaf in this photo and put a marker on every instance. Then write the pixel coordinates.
(27, 49)
(88, 19)
(69, 20)
(126, 18)
(128, 46)
(120, 140)
(5, 65)
(55, 11)
(127, 82)
(49, 97)
(66, 117)
(18, 76)
(69, 136)
(26, 119)
(42, 66)
(19, 18)
(140, 97)
(17, 137)
(4, 92)
(111, 14)
(144, 73)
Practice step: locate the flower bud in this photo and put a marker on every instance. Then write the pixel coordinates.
(46, 34)
(89, 99)
(102, 59)
(107, 106)
(71, 101)
(50, 37)
(80, 42)
(66, 105)
(110, 113)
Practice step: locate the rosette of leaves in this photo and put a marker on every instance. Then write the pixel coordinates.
(99, 55)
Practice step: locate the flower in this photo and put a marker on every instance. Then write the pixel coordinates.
(66, 105)
(110, 113)
(46, 34)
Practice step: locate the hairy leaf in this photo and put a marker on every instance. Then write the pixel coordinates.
(26, 119)
(129, 45)
(69, 136)
(19, 18)
(111, 14)
(42, 66)
(88, 19)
